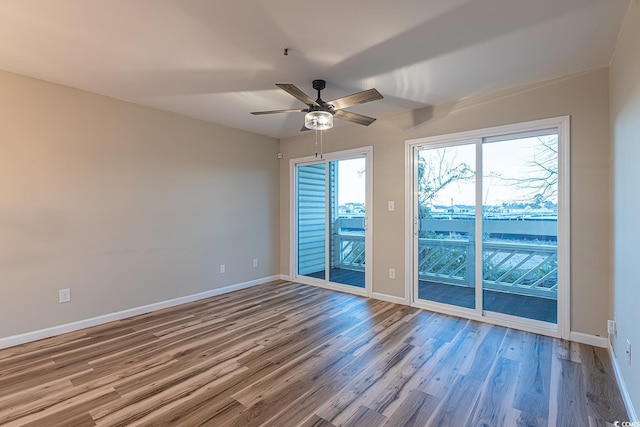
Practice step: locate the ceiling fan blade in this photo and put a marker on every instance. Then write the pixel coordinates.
(304, 128)
(357, 98)
(354, 118)
(297, 93)
(299, 110)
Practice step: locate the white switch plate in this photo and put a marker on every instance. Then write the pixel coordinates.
(64, 295)
(223, 268)
(611, 327)
(392, 206)
(392, 273)
(255, 262)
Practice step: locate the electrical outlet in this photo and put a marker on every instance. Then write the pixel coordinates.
(223, 268)
(611, 327)
(255, 262)
(629, 352)
(392, 273)
(64, 295)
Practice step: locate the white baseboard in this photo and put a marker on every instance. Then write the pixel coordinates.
(633, 415)
(389, 298)
(106, 318)
(593, 340)
(285, 277)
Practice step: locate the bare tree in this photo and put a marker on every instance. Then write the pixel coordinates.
(540, 182)
(437, 172)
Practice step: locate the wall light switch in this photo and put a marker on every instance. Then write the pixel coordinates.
(392, 273)
(392, 206)
(223, 268)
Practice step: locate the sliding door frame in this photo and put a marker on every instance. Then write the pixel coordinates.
(563, 327)
(367, 154)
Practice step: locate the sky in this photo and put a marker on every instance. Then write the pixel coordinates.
(351, 181)
(504, 159)
(500, 159)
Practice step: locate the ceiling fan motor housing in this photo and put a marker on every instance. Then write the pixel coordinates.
(319, 84)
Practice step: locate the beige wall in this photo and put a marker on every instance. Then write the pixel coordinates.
(625, 130)
(584, 97)
(123, 204)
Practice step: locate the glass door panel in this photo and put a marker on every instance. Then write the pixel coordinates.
(311, 216)
(347, 210)
(520, 227)
(331, 221)
(446, 224)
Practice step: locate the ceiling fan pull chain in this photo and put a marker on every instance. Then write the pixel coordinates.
(316, 142)
(321, 144)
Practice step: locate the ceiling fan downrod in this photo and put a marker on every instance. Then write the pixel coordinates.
(319, 85)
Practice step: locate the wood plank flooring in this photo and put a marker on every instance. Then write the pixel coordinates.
(284, 354)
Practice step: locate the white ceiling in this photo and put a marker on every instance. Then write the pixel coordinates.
(218, 60)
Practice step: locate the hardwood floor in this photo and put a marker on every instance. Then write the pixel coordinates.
(285, 354)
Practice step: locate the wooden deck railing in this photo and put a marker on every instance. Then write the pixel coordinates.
(525, 269)
(350, 249)
(520, 268)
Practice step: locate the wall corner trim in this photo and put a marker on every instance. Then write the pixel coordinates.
(14, 340)
(633, 415)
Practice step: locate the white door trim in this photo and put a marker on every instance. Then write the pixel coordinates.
(367, 154)
(563, 328)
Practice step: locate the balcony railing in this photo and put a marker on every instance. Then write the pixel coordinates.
(351, 251)
(524, 269)
(519, 268)
(348, 250)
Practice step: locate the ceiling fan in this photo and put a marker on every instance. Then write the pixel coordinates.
(320, 113)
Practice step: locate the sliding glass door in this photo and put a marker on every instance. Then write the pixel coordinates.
(489, 213)
(446, 224)
(520, 226)
(330, 200)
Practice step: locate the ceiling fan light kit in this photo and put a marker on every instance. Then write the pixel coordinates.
(318, 120)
